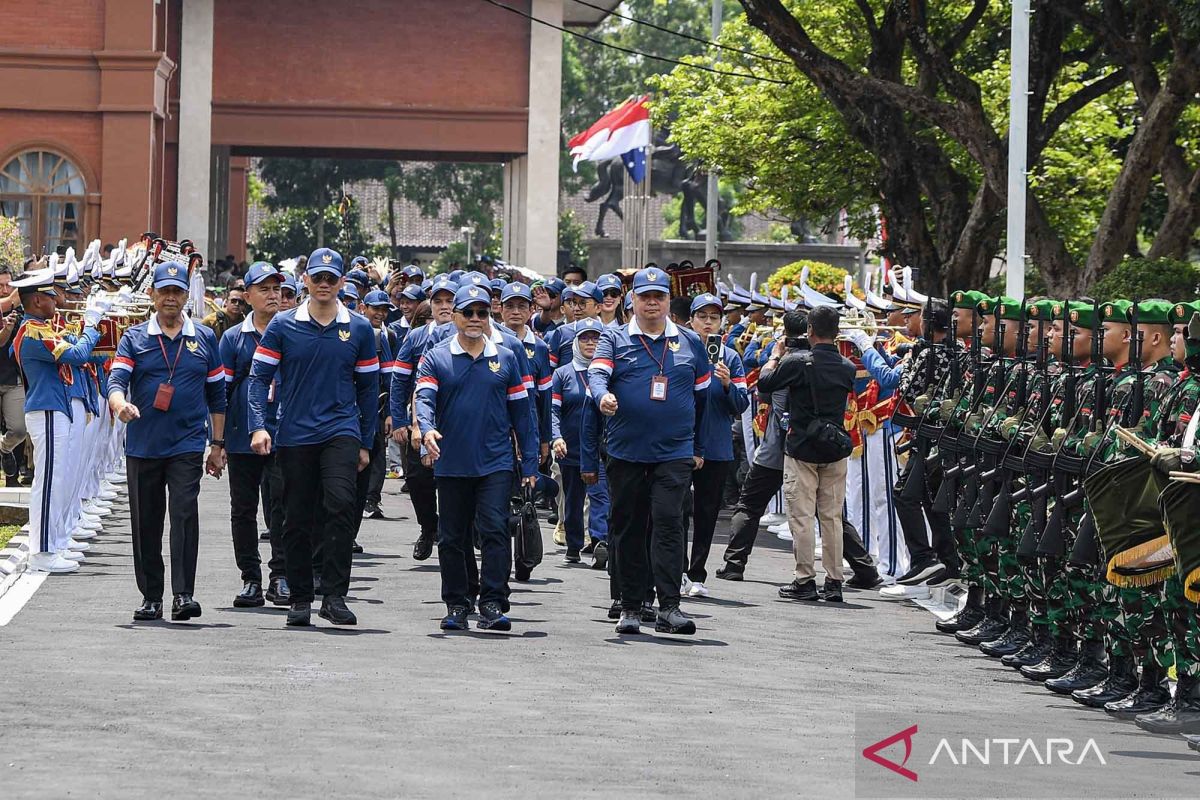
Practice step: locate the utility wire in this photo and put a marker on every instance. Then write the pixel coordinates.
(633, 52)
(701, 40)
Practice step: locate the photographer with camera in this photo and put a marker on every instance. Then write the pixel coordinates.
(819, 382)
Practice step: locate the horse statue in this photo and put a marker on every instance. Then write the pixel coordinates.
(670, 175)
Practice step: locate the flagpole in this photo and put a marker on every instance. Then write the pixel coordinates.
(712, 211)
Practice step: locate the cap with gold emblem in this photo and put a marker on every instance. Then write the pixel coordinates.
(171, 273)
(324, 260)
(467, 295)
(651, 279)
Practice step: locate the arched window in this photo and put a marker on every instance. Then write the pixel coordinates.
(45, 193)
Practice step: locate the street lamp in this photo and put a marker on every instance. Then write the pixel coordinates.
(467, 230)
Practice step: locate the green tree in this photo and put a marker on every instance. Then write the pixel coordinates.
(12, 245)
(312, 183)
(570, 237)
(290, 232)
(464, 194)
(903, 105)
(1166, 278)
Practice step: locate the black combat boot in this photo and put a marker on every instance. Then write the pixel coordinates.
(1088, 671)
(993, 624)
(1036, 649)
(1121, 680)
(1061, 658)
(968, 616)
(1182, 715)
(1150, 695)
(1016, 637)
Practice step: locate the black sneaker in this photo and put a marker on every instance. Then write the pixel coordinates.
(600, 555)
(251, 596)
(372, 511)
(672, 620)
(455, 620)
(9, 463)
(184, 607)
(864, 581)
(730, 573)
(831, 592)
(614, 611)
(149, 610)
(300, 615)
(920, 573)
(491, 618)
(631, 622)
(423, 548)
(356, 547)
(572, 557)
(589, 548)
(800, 590)
(334, 609)
(648, 613)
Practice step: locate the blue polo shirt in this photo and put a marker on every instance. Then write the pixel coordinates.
(408, 355)
(237, 357)
(475, 403)
(724, 406)
(569, 400)
(645, 430)
(329, 377)
(46, 357)
(140, 367)
(538, 353)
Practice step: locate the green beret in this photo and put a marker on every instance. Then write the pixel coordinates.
(1181, 313)
(1115, 311)
(968, 299)
(1083, 315)
(1010, 309)
(1042, 309)
(987, 306)
(1154, 312)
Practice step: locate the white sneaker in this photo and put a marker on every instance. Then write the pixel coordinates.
(71, 555)
(772, 519)
(51, 562)
(82, 534)
(698, 590)
(898, 592)
(88, 523)
(106, 493)
(685, 587)
(77, 546)
(98, 512)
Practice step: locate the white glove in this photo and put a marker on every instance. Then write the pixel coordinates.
(92, 313)
(862, 340)
(102, 302)
(125, 293)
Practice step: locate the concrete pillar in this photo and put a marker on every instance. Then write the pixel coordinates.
(513, 244)
(218, 204)
(195, 125)
(540, 228)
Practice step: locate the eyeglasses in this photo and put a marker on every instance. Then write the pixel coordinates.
(476, 313)
(323, 277)
(612, 292)
(235, 301)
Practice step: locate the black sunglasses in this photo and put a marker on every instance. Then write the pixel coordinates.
(476, 313)
(612, 292)
(323, 277)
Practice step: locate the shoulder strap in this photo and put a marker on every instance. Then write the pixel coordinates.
(808, 378)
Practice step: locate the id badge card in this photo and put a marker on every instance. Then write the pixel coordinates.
(162, 397)
(658, 387)
(271, 392)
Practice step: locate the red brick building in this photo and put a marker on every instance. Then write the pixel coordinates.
(119, 116)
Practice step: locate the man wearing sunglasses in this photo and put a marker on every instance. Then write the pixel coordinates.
(230, 316)
(471, 397)
(329, 385)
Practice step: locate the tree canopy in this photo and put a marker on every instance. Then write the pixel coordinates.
(902, 106)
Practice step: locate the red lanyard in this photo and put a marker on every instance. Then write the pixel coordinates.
(660, 361)
(170, 367)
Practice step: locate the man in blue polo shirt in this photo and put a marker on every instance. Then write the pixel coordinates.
(328, 400)
(471, 396)
(247, 469)
(168, 384)
(584, 302)
(650, 378)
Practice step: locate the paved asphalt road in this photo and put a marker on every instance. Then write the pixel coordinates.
(761, 703)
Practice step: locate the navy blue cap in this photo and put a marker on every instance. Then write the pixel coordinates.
(324, 260)
(629, 301)
(260, 271)
(378, 297)
(358, 261)
(589, 325)
(608, 280)
(442, 284)
(706, 299)
(358, 276)
(474, 279)
(586, 290)
(349, 290)
(554, 286)
(497, 284)
(468, 294)
(412, 271)
(455, 274)
(517, 290)
(289, 282)
(413, 292)
(171, 273)
(651, 279)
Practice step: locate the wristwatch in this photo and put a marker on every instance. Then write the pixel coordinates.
(218, 443)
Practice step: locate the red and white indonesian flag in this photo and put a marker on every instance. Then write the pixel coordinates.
(625, 128)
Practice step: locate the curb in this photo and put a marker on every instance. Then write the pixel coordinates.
(12, 561)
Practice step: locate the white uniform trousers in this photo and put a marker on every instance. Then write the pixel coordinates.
(50, 432)
(870, 478)
(73, 461)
